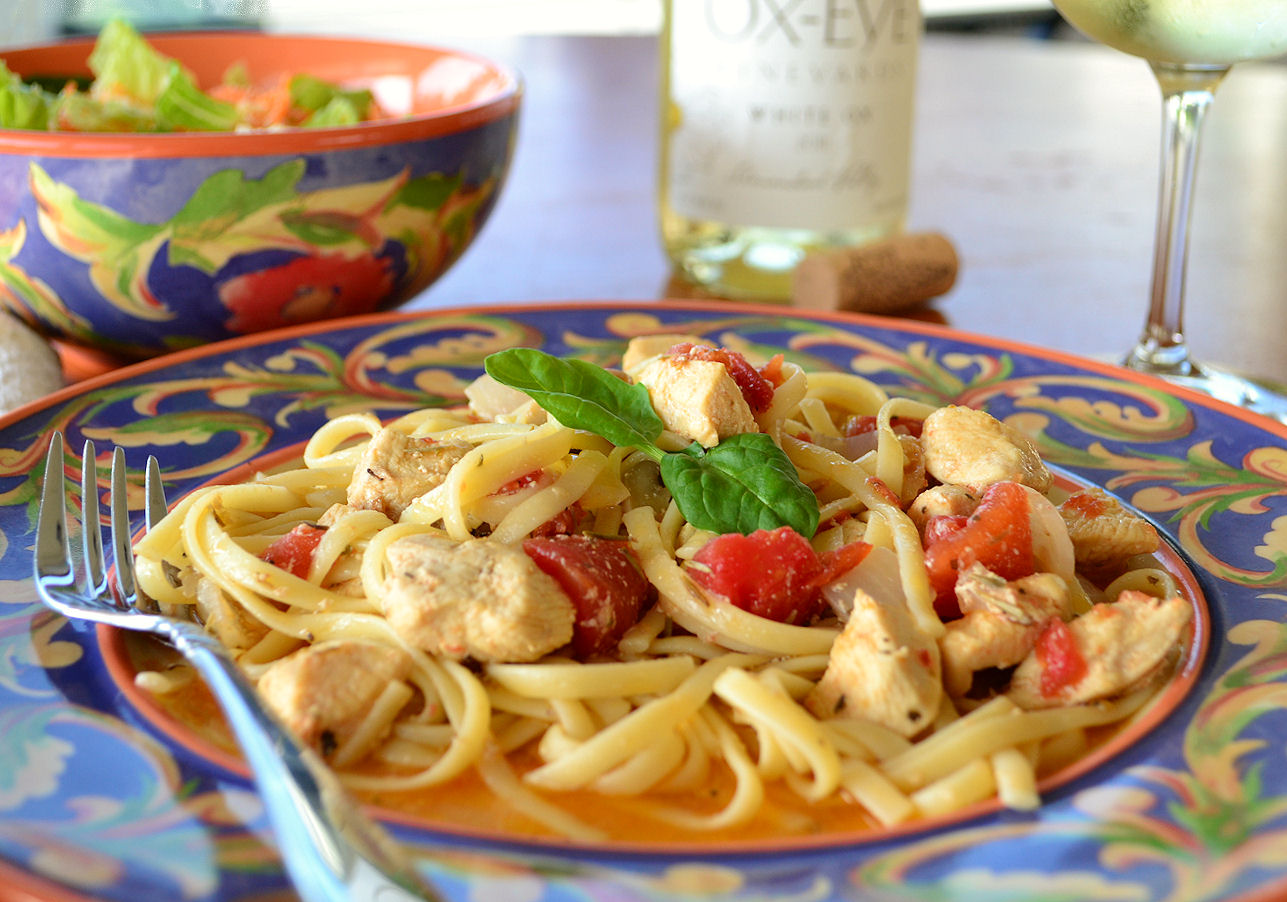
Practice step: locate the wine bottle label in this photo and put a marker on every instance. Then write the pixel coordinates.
(791, 113)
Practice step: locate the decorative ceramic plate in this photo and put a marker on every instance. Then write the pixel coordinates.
(97, 801)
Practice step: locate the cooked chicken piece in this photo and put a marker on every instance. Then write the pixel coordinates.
(942, 501)
(334, 514)
(696, 399)
(396, 469)
(324, 691)
(230, 623)
(881, 669)
(1103, 532)
(969, 447)
(1030, 599)
(474, 599)
(1001, 622)
(1122, 643)
(498, 402)
(643, 347)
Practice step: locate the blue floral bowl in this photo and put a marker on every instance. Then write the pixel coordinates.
(143, 244)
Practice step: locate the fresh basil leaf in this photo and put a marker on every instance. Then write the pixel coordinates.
(744, 483)
(581, 395)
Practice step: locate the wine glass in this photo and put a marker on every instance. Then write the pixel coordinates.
(1190, 46)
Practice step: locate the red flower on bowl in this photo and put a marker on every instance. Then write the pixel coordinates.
(306, 288)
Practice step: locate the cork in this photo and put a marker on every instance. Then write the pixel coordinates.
(887, 276)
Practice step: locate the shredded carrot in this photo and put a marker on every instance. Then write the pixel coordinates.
(260, 106)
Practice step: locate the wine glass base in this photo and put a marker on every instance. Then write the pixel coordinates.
(1257, 397)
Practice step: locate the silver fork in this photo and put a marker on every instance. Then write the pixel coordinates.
(332, 851)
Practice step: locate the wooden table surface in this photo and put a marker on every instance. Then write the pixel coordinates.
(1037, 158)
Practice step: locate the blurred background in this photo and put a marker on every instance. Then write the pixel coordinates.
(1036, 153)
(28, 21)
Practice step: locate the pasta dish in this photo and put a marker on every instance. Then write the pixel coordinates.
(697, 589)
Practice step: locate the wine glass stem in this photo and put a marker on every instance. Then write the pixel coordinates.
(1187, 91)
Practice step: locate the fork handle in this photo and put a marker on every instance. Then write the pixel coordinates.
(332, 851)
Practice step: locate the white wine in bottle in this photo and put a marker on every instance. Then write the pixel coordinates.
(786, 126)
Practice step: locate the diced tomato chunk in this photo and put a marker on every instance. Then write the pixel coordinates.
(834, 564)
(998, 535)
(774, 574)
(881, 488)
(773, 370)
(768, 572)
(518, 483)
(565, 522)
(1061, 660)
(942, 526)
(260, 106)
(913, 426)
(755, 387)
(858, 424)
(293, 552)
(603, 579)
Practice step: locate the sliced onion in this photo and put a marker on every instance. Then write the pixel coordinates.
(1052, 550)
(877, 575)
(851, 447)
(490, 399)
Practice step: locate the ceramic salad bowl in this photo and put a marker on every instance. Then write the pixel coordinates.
(140, 244)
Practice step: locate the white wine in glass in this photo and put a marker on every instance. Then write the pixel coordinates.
(1190, 46)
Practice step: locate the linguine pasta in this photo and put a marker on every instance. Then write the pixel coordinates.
(696, 687)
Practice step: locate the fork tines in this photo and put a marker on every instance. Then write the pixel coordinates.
(56, 567)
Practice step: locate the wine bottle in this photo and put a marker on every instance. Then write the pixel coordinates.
(786, 126)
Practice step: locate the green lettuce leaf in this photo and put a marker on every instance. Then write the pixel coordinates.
(126, 67)
(308, 92)
(22, 105)
(182, 106)
(339, 110)
(79, 112)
